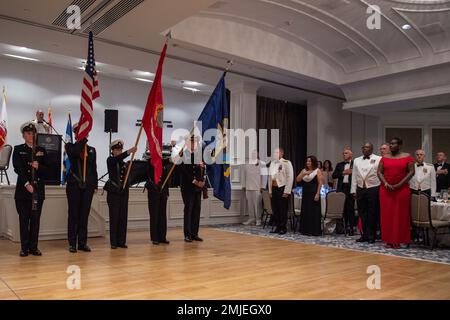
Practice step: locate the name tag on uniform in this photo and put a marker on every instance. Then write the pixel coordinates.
(372, 161)
(24, 153)
(280, 168)
(425, 170)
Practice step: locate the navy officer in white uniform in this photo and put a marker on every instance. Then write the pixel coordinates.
(424, 178)
(281, 175)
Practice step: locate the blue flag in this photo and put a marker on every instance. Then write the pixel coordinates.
(215, 116)
(66, 162)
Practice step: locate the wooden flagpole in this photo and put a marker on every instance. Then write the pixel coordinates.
(84, 163)
(132, 157)
(130, 163)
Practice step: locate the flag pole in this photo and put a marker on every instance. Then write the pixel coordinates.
(130, 163)
(84, 163)
(132, 157)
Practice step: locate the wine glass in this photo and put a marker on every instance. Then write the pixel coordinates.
(444, 196)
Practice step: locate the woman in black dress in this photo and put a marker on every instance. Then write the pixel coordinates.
(311, 178)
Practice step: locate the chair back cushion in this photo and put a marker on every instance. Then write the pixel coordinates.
(335, 204)
(5, 156)
(267, 203)
(420, 207)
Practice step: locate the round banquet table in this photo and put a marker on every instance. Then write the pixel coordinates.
(440, 211)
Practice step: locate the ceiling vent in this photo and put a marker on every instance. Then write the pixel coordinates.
(217, 5)
(344, 53)
(332, 5)
(432, 29)
(61, 20)
(112, 15)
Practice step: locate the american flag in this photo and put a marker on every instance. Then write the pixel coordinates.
(89, 93)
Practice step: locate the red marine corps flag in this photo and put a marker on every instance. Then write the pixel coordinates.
(89, 92)
(152, 121)
(3, 121)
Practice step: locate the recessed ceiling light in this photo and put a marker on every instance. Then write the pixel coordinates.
(191, 89)
(20, 57)
(191, 83)
(144, 80)
(143, 73)
(406, 26)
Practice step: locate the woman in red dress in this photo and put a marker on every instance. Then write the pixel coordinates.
(395, 171)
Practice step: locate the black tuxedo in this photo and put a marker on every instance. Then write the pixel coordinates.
(157, 203)
(349, 213)
(338, 174)
(117, 199)
(442, 180)
(29, 219)
(79, 193)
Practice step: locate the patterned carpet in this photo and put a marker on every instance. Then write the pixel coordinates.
(417, 252)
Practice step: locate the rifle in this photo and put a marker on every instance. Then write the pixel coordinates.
(34, 196)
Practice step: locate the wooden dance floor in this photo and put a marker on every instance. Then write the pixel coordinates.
(226, 266)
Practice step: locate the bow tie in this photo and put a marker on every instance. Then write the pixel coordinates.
(347, 162)
(420, 165)
(366, 158)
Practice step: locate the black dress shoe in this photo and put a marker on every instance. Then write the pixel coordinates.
(371, 241)
(113, 247)
(123, 246)
(361, 240)
(275, 231)
(197, 238)
(187, 239)
(84, 248)
(165, 241)
(36, 252)
(156, 243)
(283, 231)
(73, 249)
(23, 253)
(351, 232)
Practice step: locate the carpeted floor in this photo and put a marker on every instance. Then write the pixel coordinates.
(417, 252)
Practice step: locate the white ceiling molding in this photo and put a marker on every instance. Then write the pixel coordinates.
(399, 29)
(330, 26)
(284, 33)
(404, 14)
(348, 26)
(252, 43)
(422, 2)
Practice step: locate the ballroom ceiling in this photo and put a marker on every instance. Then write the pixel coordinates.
(336, 45)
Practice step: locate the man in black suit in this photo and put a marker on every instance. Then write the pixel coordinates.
(190, 166)
(343, 173)
(30, 188)
(442, 169)
(157, 204)
(80, 191)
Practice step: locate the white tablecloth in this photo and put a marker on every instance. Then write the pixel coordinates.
(440, 211)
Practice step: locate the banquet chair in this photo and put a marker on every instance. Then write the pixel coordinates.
(334, 209)
(5, 157)
(293, 214)
(267, 207)
(421, 217)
